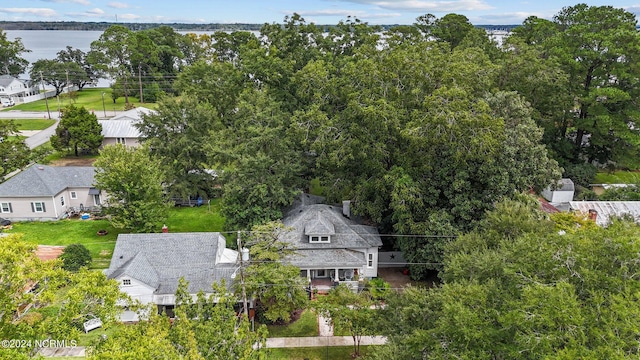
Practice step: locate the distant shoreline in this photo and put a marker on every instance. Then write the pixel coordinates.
(101, 26)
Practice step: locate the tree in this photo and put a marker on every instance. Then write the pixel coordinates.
(133, 180)
(111, 54)
(13, 150)
(75, 256)
(78, 130)
(276, 285)
(517, 288)
(88, 75)
(349, 311)
(32, 307)
(176, 135)
(10, 51)
(58, 74)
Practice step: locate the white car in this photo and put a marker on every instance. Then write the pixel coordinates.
(7, 102)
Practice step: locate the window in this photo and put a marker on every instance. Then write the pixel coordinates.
(126, 282)
(62, 200)
(74, 195)
(6, 208)
(321, 273)
(370, 261)
(121, 141)
(38, 207)
(324, 239)
(96, 199)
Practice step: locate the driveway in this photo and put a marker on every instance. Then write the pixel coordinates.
(37, 138)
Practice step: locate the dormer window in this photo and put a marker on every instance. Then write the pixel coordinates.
(319, 239)
(319, 229)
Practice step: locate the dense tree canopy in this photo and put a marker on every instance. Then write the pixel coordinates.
(518, 288)
(133, 180)
(13, 150)
(11, 62)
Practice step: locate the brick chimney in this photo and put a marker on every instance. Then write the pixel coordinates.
(593, 214)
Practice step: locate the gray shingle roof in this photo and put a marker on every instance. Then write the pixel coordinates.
(6, 80)
(328, 257)
(123, 128)
(43, 180)
(348, 234)
(160, 260)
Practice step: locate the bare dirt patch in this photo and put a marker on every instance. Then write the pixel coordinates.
(73, 162)
(397, 279)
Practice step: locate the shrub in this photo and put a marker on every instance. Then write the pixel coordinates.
(74, 257)
(378, 288)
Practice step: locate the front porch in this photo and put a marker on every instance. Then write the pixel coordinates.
(324, 280)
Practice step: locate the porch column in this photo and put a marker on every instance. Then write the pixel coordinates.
(337, 279)
(309, 275)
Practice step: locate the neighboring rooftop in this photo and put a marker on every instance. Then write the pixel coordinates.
(608, 209)
(44, 180)
(134, 114)
(160, 260)
(119, 128)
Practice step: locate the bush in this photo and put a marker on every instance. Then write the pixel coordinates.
(378, 288)
(74, 257)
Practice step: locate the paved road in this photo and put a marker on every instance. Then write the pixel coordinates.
(41, 137)
(19, 114)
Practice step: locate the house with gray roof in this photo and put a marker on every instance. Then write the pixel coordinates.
(149, 266)
(121, 128)
(332, 246)
(16, 89)
(42, 192)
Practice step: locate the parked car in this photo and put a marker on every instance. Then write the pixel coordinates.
(7, 102)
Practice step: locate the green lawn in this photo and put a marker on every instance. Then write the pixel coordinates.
(617, 177)
(93, 336)
(90, 98)
(72, 231)
(32, 124)
(306, 325)
(317, 353)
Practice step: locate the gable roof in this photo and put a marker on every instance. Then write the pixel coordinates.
(160, 260)
(43, 180)
(122, 128)
(347, 233)
(6, 80)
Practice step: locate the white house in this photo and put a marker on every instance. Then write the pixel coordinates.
(16, 89)
(149, 266)
(121, 128)
(332, 247)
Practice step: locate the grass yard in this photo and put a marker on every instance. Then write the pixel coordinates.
(90, 98)
(617, 177)
(317, 353)
(94, 336)
(72, 231)
(32, 124)
(306, 325)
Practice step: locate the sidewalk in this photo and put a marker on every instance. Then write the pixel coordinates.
(320, 341)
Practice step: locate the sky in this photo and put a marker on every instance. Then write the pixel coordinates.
(479, 12)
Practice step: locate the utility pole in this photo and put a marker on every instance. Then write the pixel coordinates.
(46, 101)
(67, 71)
(244, 290)
(140, 81)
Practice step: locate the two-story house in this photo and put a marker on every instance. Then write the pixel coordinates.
(331, 246)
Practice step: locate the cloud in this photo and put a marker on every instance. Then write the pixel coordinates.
(128, 16)
(118, 5)
(81, 2)
(344, 13)
(634, 9)
(95, 12)
(514, 18)
(421, 5)
(43, 12)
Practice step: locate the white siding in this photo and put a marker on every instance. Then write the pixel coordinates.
(137, 290)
